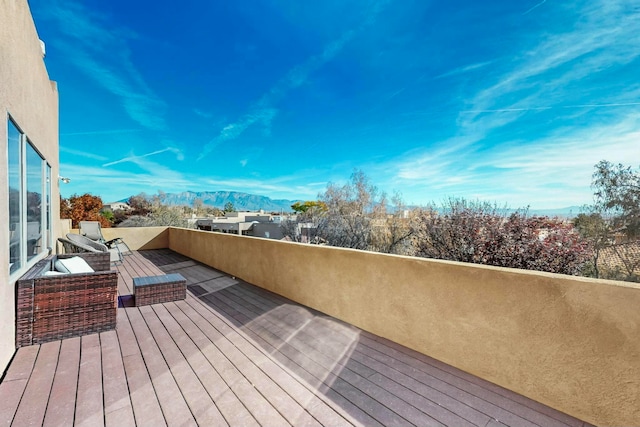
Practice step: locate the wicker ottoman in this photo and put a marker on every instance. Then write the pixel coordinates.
(158, 289)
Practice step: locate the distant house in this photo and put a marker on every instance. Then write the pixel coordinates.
(257, 224)
(116, 206)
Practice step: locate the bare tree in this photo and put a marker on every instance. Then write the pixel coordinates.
(395, 228)
(355, 215)
(198, 204)
(140, 205)
(350, 210)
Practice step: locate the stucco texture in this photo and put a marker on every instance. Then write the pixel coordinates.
(31, 99)
(571, 343)
(140, 238)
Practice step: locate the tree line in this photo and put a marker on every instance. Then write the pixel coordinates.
(144, 211)
(601, 243)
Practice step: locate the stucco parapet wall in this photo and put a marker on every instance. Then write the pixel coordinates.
(569, 342)
(138, 238)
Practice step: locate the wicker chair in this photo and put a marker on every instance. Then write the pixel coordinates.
(93, 230)
(75, 243)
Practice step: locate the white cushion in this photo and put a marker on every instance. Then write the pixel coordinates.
(53, 273)
(60, 267)
(73, 265)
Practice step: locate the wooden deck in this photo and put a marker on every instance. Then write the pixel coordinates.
(234, 354)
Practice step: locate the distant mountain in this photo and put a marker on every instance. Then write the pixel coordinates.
(241, 201)
(568, 212)
(253, 202)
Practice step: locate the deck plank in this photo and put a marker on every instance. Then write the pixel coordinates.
(22, 365)
(307, 345)
(36, 395)
(396, 350)
(10, 395)
(214, 347)
(61, 409)
(195, 395)
(317, 407)
(233, 346)
(89, 403)
(175, 409)
(118, 410)
(203, 358)
(442, 409)
(314, 377)
(305, 396)
(496, 406)
(145, 405)
(399, 407)
(15, 382)
(124, 279)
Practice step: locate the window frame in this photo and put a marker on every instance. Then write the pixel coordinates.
(45, 190)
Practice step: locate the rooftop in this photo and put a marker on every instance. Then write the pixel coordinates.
(235, 354)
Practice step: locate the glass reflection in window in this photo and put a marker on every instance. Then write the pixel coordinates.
(35, 166)
(15, 218)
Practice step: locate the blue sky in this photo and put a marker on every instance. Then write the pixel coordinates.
(513, 102)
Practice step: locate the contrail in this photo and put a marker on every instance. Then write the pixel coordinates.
(134, 157)
(535, 7)
(507, 110)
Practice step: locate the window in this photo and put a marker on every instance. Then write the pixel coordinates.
(29, 178)
(35, 173)
(15, 196)
(48, 242)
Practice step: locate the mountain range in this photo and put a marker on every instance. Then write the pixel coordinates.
(241, 201)
(568, 212)
(253, 202)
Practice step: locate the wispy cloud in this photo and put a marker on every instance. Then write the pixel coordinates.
(465, 69)
(578, 106)
(231, 131)
(562, 77)
(605, 36)
(100, 50)
(264, 110)
(552, 171)
(561, 164)
(203, 114)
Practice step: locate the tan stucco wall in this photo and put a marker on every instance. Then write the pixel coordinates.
(571, 343)
(27, 94)
(137, 238)
(142, 238)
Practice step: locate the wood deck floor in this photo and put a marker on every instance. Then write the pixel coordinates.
(234, 354)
